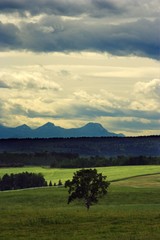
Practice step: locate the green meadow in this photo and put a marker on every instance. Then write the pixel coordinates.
(112, 173)
(130, 211)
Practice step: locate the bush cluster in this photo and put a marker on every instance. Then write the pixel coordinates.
(22, 180)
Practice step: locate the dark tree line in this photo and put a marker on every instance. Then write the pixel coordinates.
(86, 146)
(98, 161)
(34, 159)
(70, 160)
(21, 180)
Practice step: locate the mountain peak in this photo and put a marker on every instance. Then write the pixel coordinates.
(23, 126)
(48, 125)
(92, 129)
(92, 124)
(49, 130)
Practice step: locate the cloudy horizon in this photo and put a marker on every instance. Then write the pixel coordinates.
(71, 63)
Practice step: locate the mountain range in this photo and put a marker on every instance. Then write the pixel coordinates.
(49, 130)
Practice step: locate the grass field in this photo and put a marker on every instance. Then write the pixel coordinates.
(131, 211)
(112, 173)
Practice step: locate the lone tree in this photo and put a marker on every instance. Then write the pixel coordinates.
(87, 185)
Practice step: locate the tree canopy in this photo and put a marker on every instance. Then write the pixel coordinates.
(87, 185)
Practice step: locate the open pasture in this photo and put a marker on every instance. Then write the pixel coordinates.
(141, 181)
(112, 173)
(130, 211)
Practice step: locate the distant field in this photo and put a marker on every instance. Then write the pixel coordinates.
(141, 181)
(112, 173)
(130, 211)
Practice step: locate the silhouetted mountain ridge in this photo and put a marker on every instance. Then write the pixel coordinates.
(49, 130)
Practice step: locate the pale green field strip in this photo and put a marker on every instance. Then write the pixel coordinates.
(145, 181)
(112, 173)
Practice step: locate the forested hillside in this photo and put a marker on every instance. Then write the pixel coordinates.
(101, 146)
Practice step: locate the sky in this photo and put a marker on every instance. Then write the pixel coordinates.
(72, 62)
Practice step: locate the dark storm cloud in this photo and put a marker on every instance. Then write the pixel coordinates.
(151, 115)
(9, 36)
(96, 112)
(139, 120)
(3, 84)
(60, 7)
(18, 109)
(69, 112)
(136, 125)
(90, 32)
(92, 8)
(84, 110)
(81, 111)
(138, 38)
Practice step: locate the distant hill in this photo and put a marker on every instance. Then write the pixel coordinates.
(84, 146)
(49, 130)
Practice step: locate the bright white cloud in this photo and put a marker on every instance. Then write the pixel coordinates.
(30, 78)
(147, 96)
(150, 90)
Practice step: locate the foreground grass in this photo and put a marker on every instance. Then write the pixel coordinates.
(112, 173)
(127, 213)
